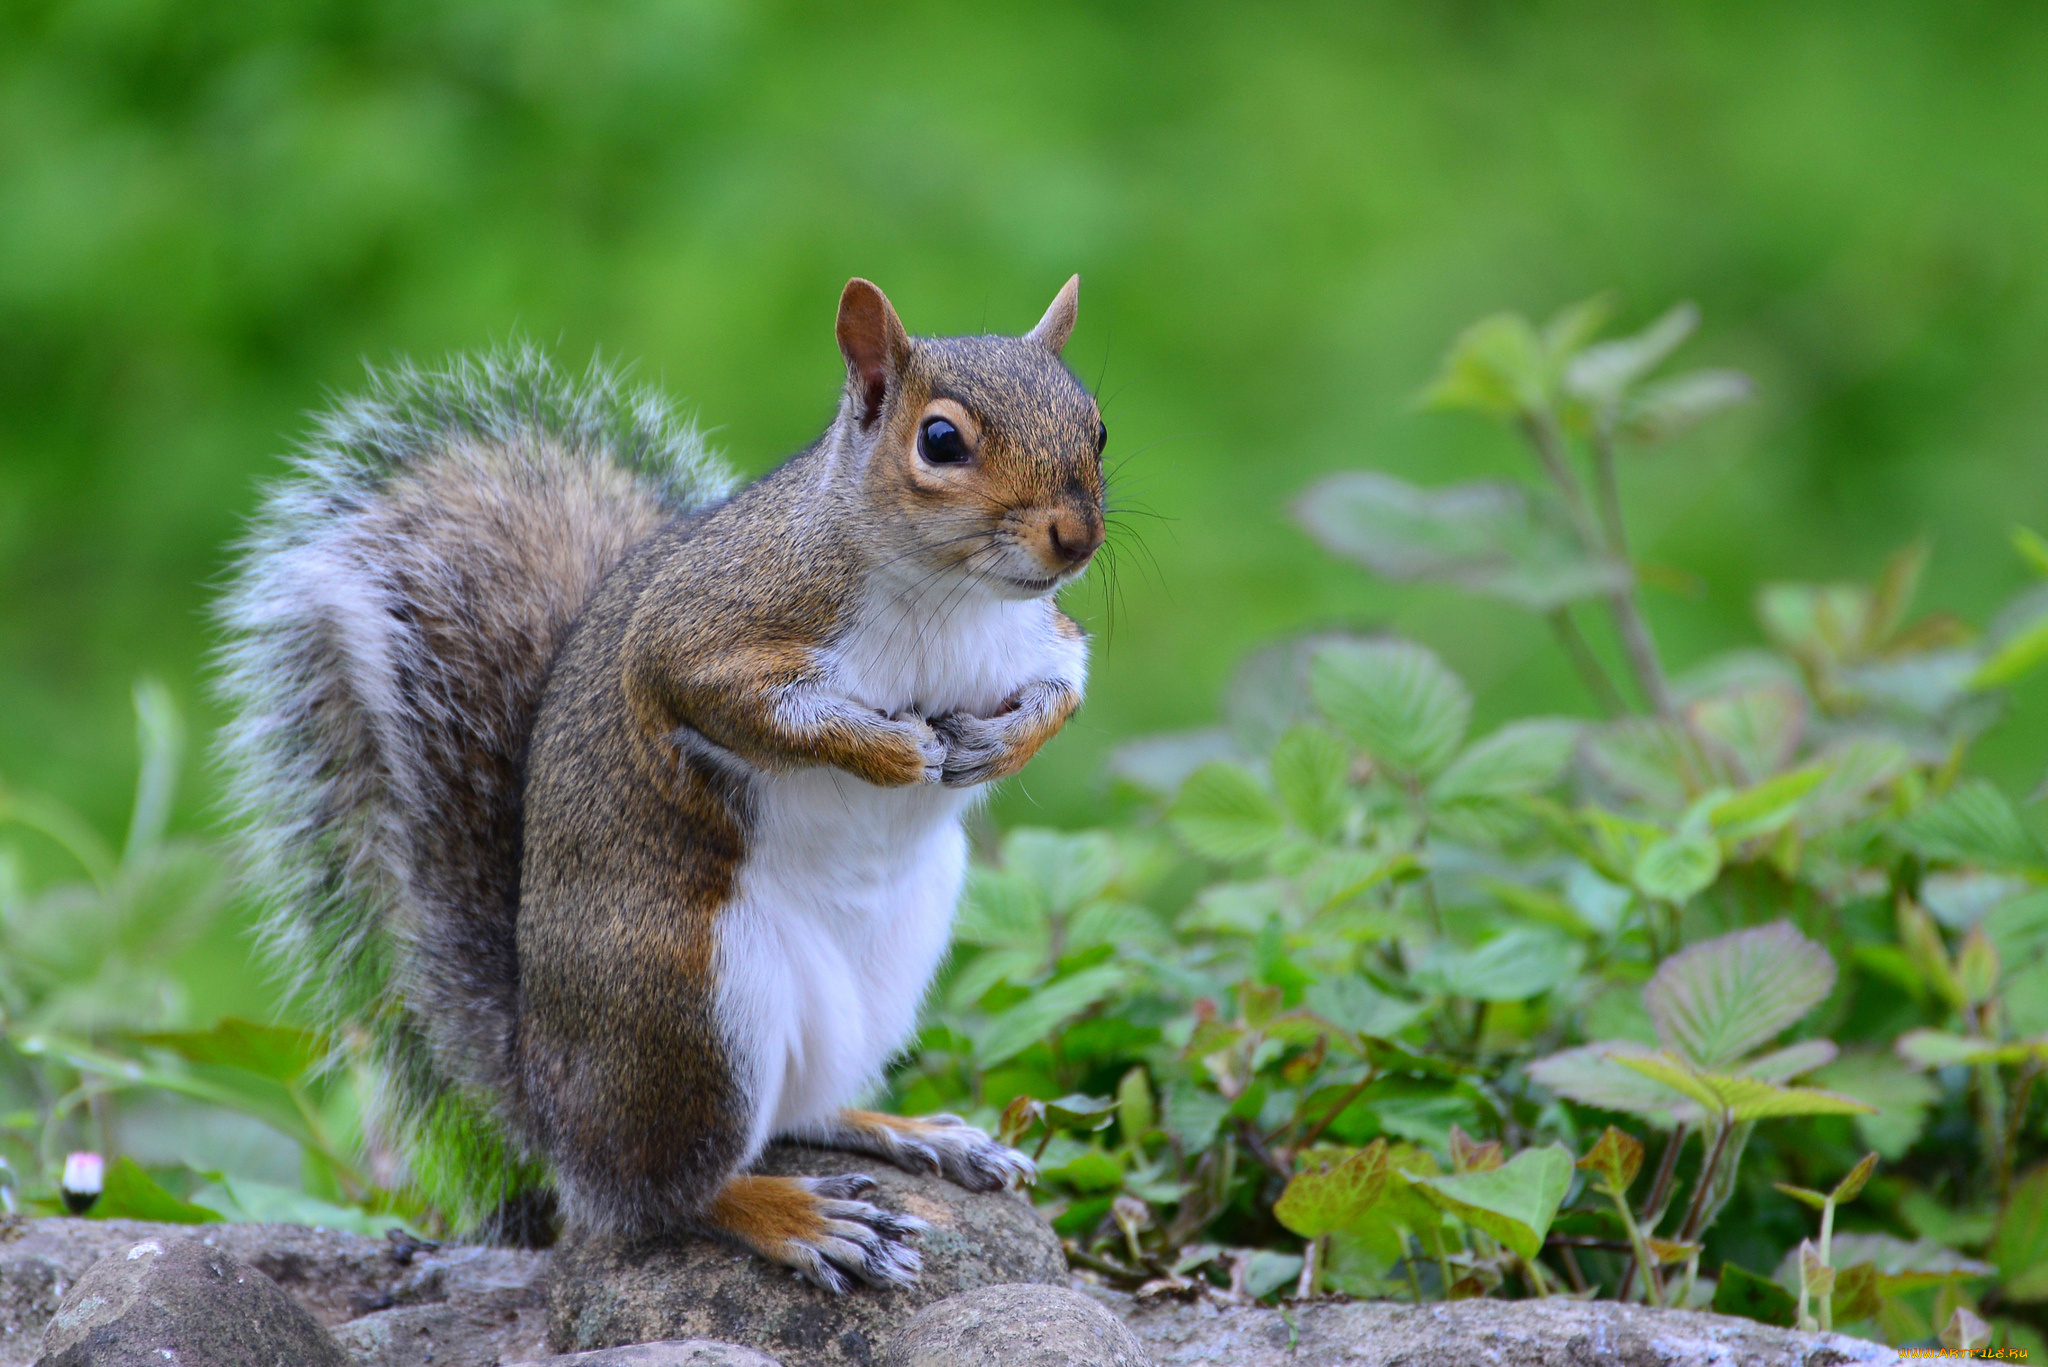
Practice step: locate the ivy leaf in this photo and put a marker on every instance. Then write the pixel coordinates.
(1223, 814)
(1515, 1202)
(1396, 700)
(1858, 1293)
(1720, 999)
(1494, 537)
(1323, 1202)
(1310, 770)
(1614, 1161)
(1521, 757)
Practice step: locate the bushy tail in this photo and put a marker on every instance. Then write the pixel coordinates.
(392, 619)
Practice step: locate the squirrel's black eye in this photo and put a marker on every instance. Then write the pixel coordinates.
(940, 443)
(1101, 436)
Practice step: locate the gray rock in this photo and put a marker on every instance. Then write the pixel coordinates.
(474, 1306)
(1016, 1326)
(669, 1353)
(1552, 1333)
(608, 1291)
(177, 1300)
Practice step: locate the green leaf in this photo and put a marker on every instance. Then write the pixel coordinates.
(1515, 1203)
(1493, 537)
(1223, 814)
(1742, 1098)
(1742, 1292)
(2020, 1247)
(1013, 1031)
(1001, 910)
(1851, 1185)
(2014, 657)
(1322, 1202)
(1160, 764)
(1906, 1265)
(1939, 1049)
(130, 1193)
(273, 1051)
(1757, 726)
(1513, 966)
(1660, 411)
(1311, 769)
(1883, 1081)
(1858, 1293)
(1973, 823)
(1722, 998)
(1065, 870)
(1602, 373)
(1194, 1114)
(242, 1201)
(1351, 1003)
(1396, 700)
(1593, 1075)
(1498, 366)
(1659, 764)
(1521, 757)
(1614, 1160)
(1676, 867)
(1078, 1111)
(1767, 807)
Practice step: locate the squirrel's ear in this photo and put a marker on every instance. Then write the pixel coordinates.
(872, 339)
(1058, 324)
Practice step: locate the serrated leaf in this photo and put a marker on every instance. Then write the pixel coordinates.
(1396, 700)
(1513, 966)
(1497, 366)
(1593, 1075)
(2020, 1245)
(1066, 870)
(1515, 1203)
(1782, 1065)
(1310, 770)
(1521, 757)
(1722, 998)
(1973, 823)
(1322, 1202)
(1660, 411)
(1676, 867)
(1001, 909)
(1351, 1003)
(1602, 373)
(1658, 764)
(1011, 1032)
(1757, 726)
(1900, 1096)
(1493, 537)
(1614, 1160)
(1223, 814)
(1742, 1098)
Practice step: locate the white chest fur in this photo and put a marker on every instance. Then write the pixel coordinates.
(841, 912)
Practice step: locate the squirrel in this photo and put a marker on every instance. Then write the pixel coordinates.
(614, 815)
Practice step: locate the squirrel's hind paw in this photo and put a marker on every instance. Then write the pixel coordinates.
(819, 1228)
(972, 1158)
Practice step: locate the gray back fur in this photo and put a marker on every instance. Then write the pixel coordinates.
(393, 615)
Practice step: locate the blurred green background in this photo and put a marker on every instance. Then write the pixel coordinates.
(211, 215)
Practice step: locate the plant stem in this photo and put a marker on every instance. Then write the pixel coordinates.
(1696, 1209)
(1642, 651)
(1310, 1268)
(1660, 1193)
(1590, 671)
(1642, 1253)
(2015, 1117)
(1414, 1282)
(1571, 1268)
(1308, 1140)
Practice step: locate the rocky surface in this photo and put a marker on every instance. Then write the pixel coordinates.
(670, 1353)
(1553, 1333)
(166, 1299)
(473, 1307)
(610, 1292)
(386, 1303)
(1016, 1326)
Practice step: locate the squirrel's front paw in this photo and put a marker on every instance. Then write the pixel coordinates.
(969, 1155)
(931, 747)
(975, 748)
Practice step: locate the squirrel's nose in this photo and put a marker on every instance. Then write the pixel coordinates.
(1074, 536)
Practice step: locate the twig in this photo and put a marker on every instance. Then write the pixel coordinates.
(1660, 1197)
(1308, 1141)
(1590, 671)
